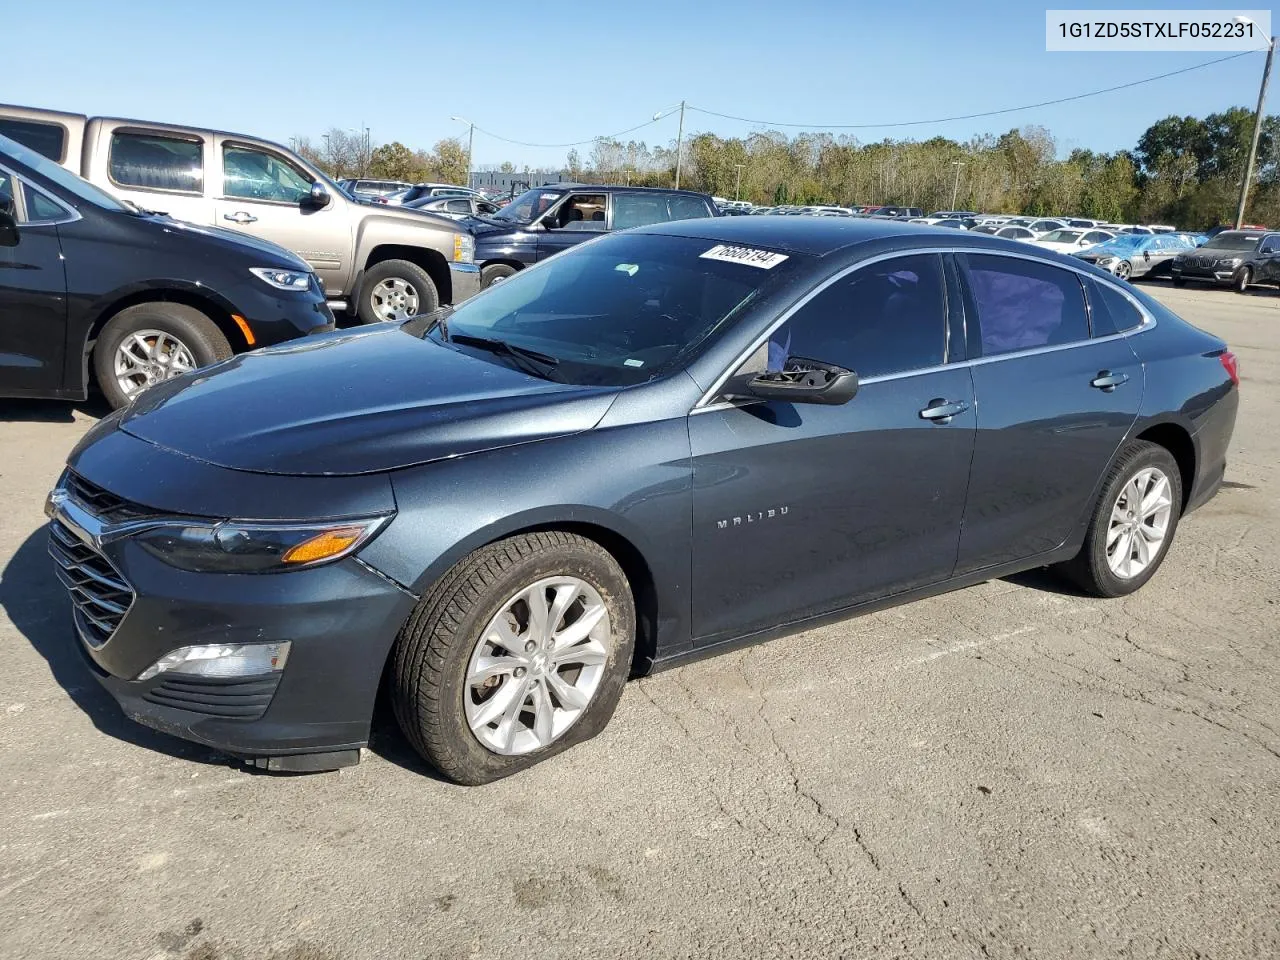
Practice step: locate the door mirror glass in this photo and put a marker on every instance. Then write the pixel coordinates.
(319, 196)
(8, 228)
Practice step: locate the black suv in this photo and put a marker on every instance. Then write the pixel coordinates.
(545, 220)
(1237, 257)
(897, 213)
(86, 279)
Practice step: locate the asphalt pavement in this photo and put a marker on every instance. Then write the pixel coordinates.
(1007, 771)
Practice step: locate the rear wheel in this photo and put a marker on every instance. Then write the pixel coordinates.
(516, 654)
(494, 272)
(1133, 523)
(396, 290)
(1241, 280)
(151, 342)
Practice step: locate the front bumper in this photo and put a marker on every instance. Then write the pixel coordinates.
(272, 316)
(1209, 274)
(340, 620)
(465, 280)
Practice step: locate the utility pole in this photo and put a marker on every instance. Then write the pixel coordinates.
(680, 140)
(955, 191)
(471, 139)
(1257, 129)
(737, 186)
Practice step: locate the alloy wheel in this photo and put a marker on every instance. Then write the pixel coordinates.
(537, 665)
(1123, 269)
(150, 356)
(394, 299)
(1139, 523)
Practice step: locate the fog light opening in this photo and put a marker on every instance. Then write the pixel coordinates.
(222, 660)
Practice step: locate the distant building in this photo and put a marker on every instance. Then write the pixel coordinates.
(496, 180)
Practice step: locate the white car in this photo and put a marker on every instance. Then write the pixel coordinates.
(1045, 226)
(1016, 233)
(1069, 241)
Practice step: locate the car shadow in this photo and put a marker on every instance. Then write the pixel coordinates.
(51, 411)
(1046, 580)
(37, 605)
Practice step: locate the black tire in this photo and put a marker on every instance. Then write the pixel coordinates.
(434, 648)
(1089, 568)
(412, 274)
(495, 271)
(1241, 280)
(193, 329)
(1179, 281)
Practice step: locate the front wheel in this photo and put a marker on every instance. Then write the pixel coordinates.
(1133, 523)
(1179, 281)
(495, 272)
(1124, 269)
(396, 290)
(151, 342)
(1240, 282)
(516, 654)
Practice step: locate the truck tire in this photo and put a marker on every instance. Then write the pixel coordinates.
(495, 271)
(151, 342)
(395, 290)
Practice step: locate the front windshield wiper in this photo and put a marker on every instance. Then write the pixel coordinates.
(531, 361)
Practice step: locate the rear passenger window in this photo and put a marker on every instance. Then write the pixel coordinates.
(1023, 304)
(157, 163)
(638, 210)
(889, 317)
(47, 139)
(1111, 310)
(687, 208)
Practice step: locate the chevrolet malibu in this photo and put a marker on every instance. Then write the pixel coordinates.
(658, 445)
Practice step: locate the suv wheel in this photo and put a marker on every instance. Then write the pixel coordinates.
(396, 290)
(151, 342)
(516, 654)
(495, 271)
(1240, 282)
(1133, 523)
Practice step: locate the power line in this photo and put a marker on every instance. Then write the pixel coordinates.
(971, 116)
(577, 143)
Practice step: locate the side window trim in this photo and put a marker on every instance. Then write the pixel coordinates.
(21, 186)
(200, 141)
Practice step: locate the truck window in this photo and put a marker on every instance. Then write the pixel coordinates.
(257, 175)
(638, 209)
(47, 139)
(687, 208)
(153, 162)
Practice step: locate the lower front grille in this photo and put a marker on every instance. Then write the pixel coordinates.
(100, 595)
(238, 698)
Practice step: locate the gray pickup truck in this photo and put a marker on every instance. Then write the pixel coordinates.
(385, 263)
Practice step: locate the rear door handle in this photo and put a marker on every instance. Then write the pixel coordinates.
(1106, 381)
(941, 411)
(240, 217)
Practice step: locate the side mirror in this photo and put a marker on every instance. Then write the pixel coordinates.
(806, 381)
(8, 229)
(319, 196)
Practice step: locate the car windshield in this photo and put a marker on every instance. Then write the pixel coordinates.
(529, 205)
(618, 310)
(1061, 236)
(1231, 240)
(81, 189)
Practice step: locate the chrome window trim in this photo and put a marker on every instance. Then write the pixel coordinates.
(707, 402)
(71, 214)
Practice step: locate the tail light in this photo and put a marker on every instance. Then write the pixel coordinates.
(1229, 364)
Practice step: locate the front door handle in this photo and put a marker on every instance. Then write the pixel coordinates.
(1106, 381)
(240, 217)
(941, 411)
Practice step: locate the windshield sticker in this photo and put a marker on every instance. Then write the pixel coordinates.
(633, 363)
(764, 259)
(630, 269)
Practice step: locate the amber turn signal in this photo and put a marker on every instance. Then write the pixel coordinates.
(323, 545)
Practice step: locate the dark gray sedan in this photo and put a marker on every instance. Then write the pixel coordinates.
(666, 442)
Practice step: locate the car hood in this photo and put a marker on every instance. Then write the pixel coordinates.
(267, 254)
(356, 402)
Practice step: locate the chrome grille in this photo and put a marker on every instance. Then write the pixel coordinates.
(100, 595)
(102, 503)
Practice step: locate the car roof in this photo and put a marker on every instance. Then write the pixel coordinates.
(611, 187)
(819, 236)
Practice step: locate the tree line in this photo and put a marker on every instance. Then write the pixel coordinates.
(1183, 171)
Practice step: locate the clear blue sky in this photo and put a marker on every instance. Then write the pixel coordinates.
(561, 72)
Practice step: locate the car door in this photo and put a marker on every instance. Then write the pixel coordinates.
(578, 217)
(262, 193)
(1054, 404)
(33, 292)
(801, 509)
(1268, 269)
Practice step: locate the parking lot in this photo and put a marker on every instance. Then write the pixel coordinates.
(1007, 771)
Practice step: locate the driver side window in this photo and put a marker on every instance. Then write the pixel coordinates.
(885, 318)
(257, 175)
(582, 211)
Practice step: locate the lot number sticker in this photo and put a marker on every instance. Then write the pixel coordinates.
(764, 259)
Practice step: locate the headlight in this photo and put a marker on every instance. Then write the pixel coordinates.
(222, 660)
(464, 248)
(230, 547)
(1229, 262)
(283, 279)
(1103, 261)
